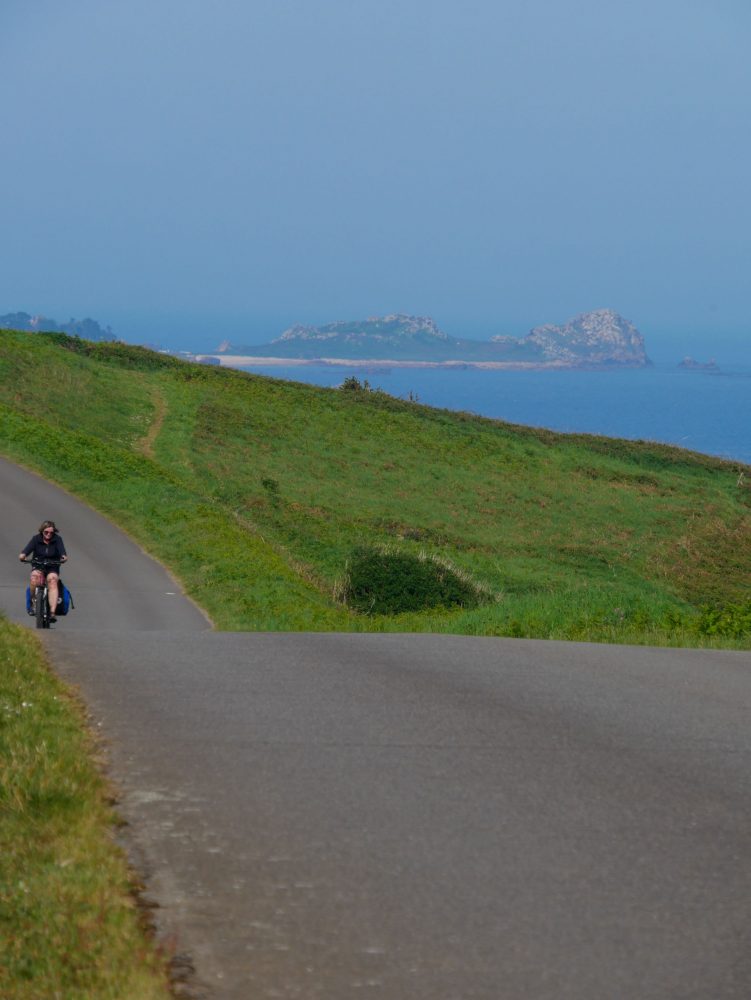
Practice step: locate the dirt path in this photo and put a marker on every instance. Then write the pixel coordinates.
(146, 444)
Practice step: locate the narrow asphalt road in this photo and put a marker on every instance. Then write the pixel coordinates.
(410, 817)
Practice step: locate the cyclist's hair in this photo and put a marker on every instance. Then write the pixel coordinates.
(47, 524)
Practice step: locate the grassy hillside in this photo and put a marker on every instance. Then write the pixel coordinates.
(257, 492)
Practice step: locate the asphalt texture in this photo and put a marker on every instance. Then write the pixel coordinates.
(408, 816)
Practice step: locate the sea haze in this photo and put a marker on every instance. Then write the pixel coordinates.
(703, 412)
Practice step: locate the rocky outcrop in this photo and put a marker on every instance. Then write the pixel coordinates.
(596, 338)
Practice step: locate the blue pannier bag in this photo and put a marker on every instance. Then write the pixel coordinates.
(64, 600)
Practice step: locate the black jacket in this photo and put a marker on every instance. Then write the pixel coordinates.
(37, 548)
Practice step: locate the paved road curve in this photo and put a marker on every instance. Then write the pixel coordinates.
(415, 817)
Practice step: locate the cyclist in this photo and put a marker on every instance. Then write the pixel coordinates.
(46, 544)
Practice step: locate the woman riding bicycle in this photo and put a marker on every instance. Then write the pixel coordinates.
(46, 545)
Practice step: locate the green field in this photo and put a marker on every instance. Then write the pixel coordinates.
(258, 492)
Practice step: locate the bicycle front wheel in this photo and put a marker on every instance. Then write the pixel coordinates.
(39, 607)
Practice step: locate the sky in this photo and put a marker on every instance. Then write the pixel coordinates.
(186, 170)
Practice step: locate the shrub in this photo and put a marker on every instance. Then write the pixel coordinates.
(731, 621)
(353, 384)
(387, 581)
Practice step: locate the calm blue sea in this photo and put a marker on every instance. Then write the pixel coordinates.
(704, 412)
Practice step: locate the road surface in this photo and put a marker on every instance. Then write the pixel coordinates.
(410, 817)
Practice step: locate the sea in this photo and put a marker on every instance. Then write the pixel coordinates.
(702, 411)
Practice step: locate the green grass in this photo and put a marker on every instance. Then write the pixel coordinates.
(69, 926)
(257, 493)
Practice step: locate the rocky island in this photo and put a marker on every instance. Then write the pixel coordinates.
(596, 338)
(690, 365)
(599, 339)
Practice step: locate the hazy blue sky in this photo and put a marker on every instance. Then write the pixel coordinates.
(183, 168)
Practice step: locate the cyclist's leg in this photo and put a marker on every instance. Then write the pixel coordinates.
(52, 588)
(37, 579)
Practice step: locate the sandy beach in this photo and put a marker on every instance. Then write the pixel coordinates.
(241, 360)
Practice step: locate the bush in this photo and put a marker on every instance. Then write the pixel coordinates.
(383, 581)
(353, 384)
(731, 621)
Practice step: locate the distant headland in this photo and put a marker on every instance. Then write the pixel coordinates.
(88, 329)
(598, 339)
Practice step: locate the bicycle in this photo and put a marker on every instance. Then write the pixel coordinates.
(41, 606)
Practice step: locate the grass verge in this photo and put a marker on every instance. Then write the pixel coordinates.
(70, 928)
